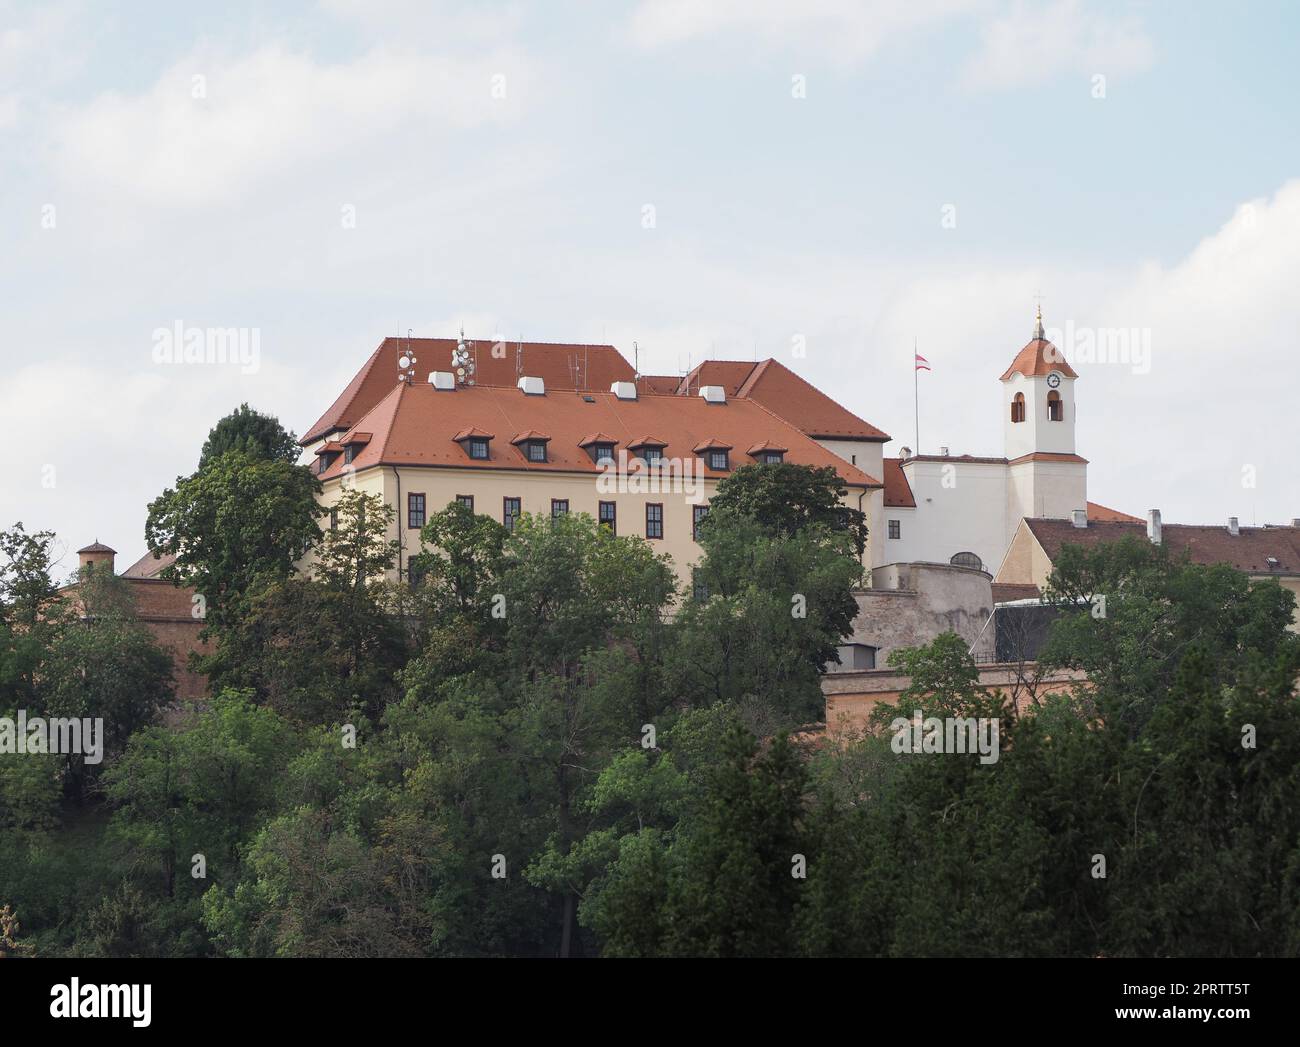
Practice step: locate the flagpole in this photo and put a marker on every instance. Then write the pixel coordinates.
(916, 395)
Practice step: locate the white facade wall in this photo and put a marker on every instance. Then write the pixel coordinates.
(960, 507)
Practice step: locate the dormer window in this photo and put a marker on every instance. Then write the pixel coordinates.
(767, 453)
(649, 449)
(1018, 407)
(475, 443)
(716, 453)
(532, 445)
(600, 447)
(1055, 408)
(349, 453)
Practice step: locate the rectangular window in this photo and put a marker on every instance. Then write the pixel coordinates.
(699, 586)
(651, 455)
(895, 529)
(415, 574)
(334, 519)
(719, 460)
(654, 520)
(609, 516)
(467, 500)
(536, 451)
(349, 453)
(773, 457)
(602, 453)
(510, 512)
(698, 513)
(414, 510)
(478, 448)
(559, 507)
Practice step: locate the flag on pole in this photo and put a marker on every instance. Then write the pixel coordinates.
(922, 364)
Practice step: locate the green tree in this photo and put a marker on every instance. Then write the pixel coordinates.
(788, 499)
(238, 523)
(257, 435)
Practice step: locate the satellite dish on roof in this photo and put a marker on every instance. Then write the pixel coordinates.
(404, 362)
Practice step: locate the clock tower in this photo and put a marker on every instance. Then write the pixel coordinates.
(1038, 399)
(1046, 478)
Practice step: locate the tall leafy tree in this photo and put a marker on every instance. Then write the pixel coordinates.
(238, 523)
(255, 434)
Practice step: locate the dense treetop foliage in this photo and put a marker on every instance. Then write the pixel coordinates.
(534, 743)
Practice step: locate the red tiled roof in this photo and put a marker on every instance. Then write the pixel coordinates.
(1101, 512)
(597, 438)
(783, 393)
(529, 434)
(646, 441)
(473, 431)
(766, 445)
(712, 443)
(418, 425)
(358, 438)
(803, 405)
(1247, 551)
(560, 366)
(662, 384)
(97, 547)
(149, 566)
(898, 492)
(1039, 357)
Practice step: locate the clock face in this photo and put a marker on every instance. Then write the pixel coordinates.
(1053, 380)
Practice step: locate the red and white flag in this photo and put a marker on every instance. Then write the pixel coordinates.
(922, 364)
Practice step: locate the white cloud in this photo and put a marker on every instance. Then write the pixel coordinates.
(847, 30)
(276, 114)
(1031, 44)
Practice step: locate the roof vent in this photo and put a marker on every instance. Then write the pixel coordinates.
(1272, 562)
(624, 390)
(713, 394)
(1080, 517)
(532, 386)
(1295, 521)
(1233, 527)
(904, 453)
(442, 380)
(943, 451)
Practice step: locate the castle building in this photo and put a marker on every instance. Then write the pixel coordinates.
(510, 428)
(964, 509)
(549, 429)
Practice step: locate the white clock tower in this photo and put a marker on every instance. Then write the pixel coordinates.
(1047, 477)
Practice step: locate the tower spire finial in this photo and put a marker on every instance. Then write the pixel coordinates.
(1038, 323)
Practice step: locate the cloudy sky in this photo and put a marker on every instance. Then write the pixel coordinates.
(729, 179)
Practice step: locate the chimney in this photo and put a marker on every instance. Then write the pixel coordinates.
(1153, 526)
(713, 394)
(93, 555)
(904, 453)
(1233, 528)
(1080, 517)
(444, 380)
(531, 386)
(624, 390)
